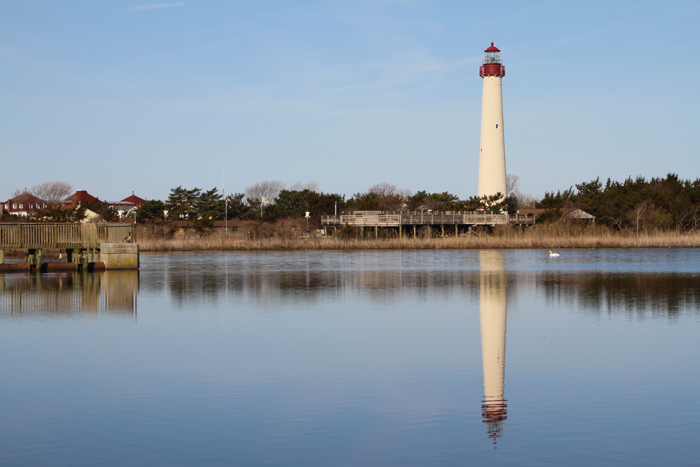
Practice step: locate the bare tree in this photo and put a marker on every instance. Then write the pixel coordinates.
(526, 201)
(269, 189)
(52, 192)
(638, 213)
(386, 190)
(512, 185)
(301, 186)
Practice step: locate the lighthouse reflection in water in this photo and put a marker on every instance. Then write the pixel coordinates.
(492, 309)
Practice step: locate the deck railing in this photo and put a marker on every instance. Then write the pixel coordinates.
(42, 235)
(379, 218)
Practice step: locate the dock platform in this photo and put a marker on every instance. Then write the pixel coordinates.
(89, 246)
(402, 220)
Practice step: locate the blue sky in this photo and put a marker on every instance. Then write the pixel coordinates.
(142, 96)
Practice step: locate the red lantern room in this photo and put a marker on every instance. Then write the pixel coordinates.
(492, 63)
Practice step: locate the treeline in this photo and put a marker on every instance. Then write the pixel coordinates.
(270, 201)
(637, 204)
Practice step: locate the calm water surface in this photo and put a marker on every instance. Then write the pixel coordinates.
(356, 358)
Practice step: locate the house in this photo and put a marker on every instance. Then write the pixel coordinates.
(24, 204)
(531, 212)
(133, 199)
(125, 207)
(122, 208)
(78, 198)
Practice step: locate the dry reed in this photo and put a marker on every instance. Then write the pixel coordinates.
(542, 236)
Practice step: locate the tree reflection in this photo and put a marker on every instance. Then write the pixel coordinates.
(191, 281)
(658, 295)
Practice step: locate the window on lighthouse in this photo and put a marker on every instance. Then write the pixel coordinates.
(497, 125)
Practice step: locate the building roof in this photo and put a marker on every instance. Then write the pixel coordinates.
(26, 197)
(135, 200)
(121, 204)
(577, 214)
(531, 212)
(23, 203)
(80, 196)
(567, 213)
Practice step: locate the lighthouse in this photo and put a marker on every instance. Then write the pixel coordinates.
(492, 155)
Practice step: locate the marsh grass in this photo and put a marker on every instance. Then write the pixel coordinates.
(502, 237)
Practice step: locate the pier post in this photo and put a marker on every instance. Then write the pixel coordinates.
(2, 256)
(376, 231)
(399, 230)
(414, 230)
(442, 227)
(34, 259)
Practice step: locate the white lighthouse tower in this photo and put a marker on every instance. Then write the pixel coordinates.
(492, 156)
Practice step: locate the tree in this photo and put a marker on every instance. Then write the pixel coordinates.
(512, 185)
(210, 205)
(268, 189)
(239, 209)
(183, 203)
(151, 211)
(300, 186)
(379, 197)
(55, 213)
(52, 192)
(291, 203)
(104, 210)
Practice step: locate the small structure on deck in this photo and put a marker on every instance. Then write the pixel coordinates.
(87, 246)
(577, 215)
(565, 215)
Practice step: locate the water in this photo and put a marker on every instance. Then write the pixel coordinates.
(356, 358)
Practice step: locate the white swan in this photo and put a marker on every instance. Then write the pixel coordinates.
(553, 254)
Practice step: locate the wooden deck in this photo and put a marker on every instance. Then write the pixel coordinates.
(43, 236)
(421, 218)
(83, 245)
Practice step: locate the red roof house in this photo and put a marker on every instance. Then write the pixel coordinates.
(79, 197)
(24, 204)
(133, 199)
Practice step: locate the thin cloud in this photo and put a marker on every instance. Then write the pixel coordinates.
(157, 5)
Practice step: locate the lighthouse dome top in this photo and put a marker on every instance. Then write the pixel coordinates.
(492, 55)
(492, 63)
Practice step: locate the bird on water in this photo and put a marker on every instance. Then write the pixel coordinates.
(553, 254)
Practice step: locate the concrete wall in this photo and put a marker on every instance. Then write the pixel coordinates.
(119, 255)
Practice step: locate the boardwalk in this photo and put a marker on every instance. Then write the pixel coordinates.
(403, 219)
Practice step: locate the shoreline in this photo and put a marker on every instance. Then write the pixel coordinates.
(543, 238)
(517, 241)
